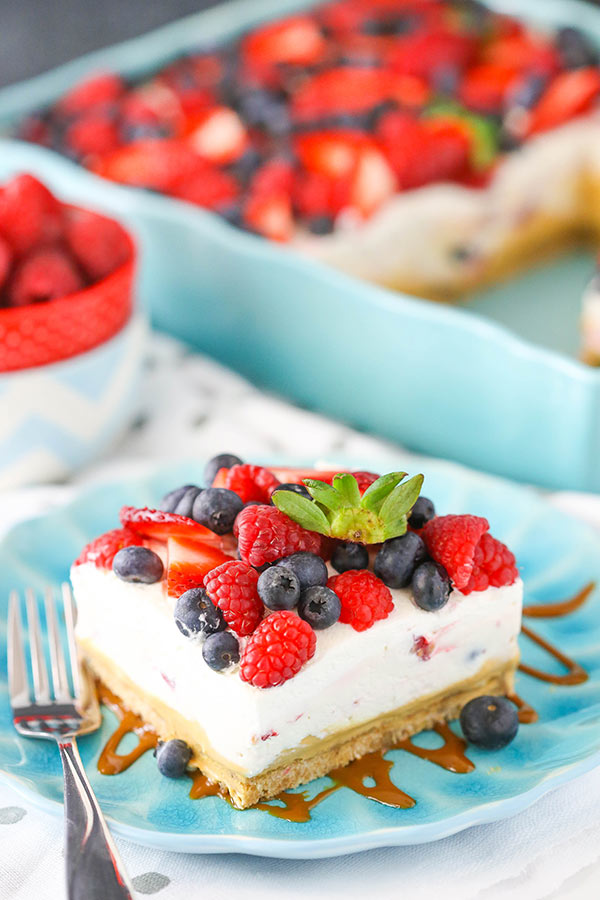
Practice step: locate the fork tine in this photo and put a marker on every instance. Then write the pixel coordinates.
(69, 606)
(57, 658)
(41, 690)
(18, 682)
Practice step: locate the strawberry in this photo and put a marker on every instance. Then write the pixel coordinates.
(94, 134)
(420, 152)
(43, 274)
(153, 523)
(29, 213)
(570, 94)
(355, 89)
(98, 244)
(158, 165)
(188, 563)
(5, 261)
(334, 154)
(486, 86)
(297, 40)
(425, 51)
(268, 208)
(103, 549)
(523, 52)
(373, 183)
(97, 91)
(217, 135)
(209, 187)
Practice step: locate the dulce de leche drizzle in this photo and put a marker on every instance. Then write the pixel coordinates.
(369, 775)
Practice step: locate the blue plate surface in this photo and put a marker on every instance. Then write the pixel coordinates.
(493, 385)
(557, 556)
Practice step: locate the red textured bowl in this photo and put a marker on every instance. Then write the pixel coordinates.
(43, 333)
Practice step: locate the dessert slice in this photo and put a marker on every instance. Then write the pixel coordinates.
(284, 630)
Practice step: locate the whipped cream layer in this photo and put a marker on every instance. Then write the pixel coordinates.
(443, 234)
(352, 678)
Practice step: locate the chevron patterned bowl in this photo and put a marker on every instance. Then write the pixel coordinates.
(57, 418)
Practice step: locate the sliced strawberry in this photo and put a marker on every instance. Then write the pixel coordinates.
(220, 479)
(103, 549)
(296, 476)
(331, 153)
(93, 135)
(570, 94)
(486, 86)
(425, 51)
(154, 523)
(522, 51)
(99, 90)
(373, 183)
(268, 208)
(297, 40)
(189, 562)
(155, 164)
(217, 135)
(421, 152)
(209, 187)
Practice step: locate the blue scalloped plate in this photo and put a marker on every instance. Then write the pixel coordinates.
(557, 556)
(494, 379)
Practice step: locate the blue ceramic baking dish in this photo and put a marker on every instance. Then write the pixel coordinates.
(438, 379)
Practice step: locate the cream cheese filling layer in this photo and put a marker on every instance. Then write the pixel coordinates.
(352, 678)
(441, 234)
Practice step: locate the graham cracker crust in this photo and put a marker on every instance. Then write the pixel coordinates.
(316, 756)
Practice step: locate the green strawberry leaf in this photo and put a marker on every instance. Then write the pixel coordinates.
(324, 493)
(483, 131)
(347, 486)
(401, 500)
(305, 512)
(396, 528)
(376, 493)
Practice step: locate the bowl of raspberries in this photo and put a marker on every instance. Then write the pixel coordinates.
(71, 341)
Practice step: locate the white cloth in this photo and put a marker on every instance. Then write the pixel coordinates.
(194, 407)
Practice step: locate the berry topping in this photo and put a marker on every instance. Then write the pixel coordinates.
(350, 556)
(44, 274)
(265, 534)
(98, 244)
(297, 488)
(422, 512)
(569, 94)
(280, 646)
(251, 482)
(103, 549)
(319, 606)
(216, 509)
(338, 510)
(232, 587)
(29, 214)
(138, 564)
(172, 758)
(489, 722)
(308, 568)
(494, 565)
(189, 562)
(195, 614)
(364, 598)
(221, 650)
(154, 523)
(397, 559)
(214, 465)
(451, 541)
(180, 500)
(279, 588)
(430, 586)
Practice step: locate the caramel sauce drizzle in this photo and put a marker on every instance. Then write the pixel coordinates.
(296, 807)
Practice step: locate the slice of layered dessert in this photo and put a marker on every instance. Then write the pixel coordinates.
(280, 624)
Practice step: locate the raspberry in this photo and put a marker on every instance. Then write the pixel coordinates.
(251, 482)
(494, 565)
(452, 541)
(98, 244)
(29, 213)
(365, 599)
(277, 650)
(44, 274)
(266, 534)
(232, 587)
(103, 549)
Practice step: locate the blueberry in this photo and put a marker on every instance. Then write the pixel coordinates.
(279, 588)
(185, 506)
(489, 722)
(195, 614)
(222, 461)
(319, 606)
(321, 225)
(575, 49)
(308, 568)
(296, 488)
(216, 508)
(172, 757)
(398, 558)
(171, 500)
(221, 650)
(138, 565)
(446, 79)
(430, 586)
(421, 513)
(349, 556)
(527, 91)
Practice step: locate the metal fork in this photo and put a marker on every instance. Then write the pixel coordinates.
(93, 868)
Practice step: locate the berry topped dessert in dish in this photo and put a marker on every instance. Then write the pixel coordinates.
(429, 145)
(65, 276)
(281, 623)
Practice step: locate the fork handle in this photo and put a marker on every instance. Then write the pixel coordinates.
(93, 867)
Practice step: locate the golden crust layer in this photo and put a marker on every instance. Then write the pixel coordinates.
(316, 757)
